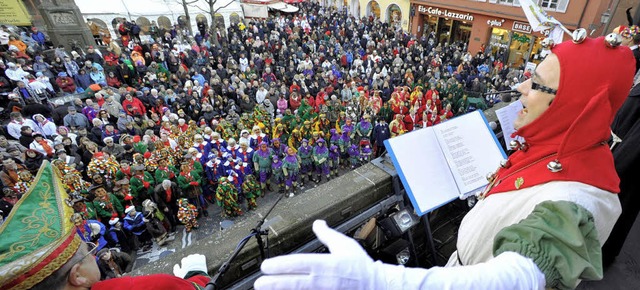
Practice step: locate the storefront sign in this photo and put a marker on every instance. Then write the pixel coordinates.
(521, 27)
(13, 12)
(495, 22)
(445, 13)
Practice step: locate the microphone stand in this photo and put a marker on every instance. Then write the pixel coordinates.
(258, 233)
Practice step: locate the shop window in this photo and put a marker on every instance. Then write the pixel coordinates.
(519, 49)
(499, 43)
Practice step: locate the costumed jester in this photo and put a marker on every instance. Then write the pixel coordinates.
(278, 148)
(364, 129)
(22, 186)
(187, 214)
(348, 127)
(257, 138)
(203, 147)
(106, 204)
(218, 143)
(291, 171)
(306, 161)
(227, 198)
(104, 165)
(141, 185)
(232, 147)
(194, 161)
(354, 156)
(276, 172)
(397, 126)
(262, 164)
(306, 131)
(334, 160)
(245, 153)
(189, 181)
(64, 168)
(214, 170)
(125, 170)
(165, 171)
(295, 140)
(229, 162)
(322, 124)
(344, 143)
(365, 151)
(84, 207)
(321, 160)
(334, 138)
(251, 190)
(236, 180)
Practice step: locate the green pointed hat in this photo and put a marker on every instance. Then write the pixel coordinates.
(37, 238)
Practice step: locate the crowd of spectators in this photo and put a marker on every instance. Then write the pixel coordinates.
(159, 130)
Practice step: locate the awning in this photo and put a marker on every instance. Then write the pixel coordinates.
(284, 7)
(293, 1)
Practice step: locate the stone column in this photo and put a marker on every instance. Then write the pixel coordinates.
(64, 22)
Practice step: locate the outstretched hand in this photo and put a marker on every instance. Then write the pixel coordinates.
(347, 266)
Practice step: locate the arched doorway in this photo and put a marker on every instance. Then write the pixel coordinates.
(219, 20)
(115, 22)
(355, 8)
(394, 16)
(202, 23)
(144, 24)
(373, 8)
(99, 29)
(164, 22)
(182, 21)
(98, 22)
(234, 18)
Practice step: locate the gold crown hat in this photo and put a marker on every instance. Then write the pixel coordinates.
(37, 238)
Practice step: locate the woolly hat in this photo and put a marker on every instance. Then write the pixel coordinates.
(113, 221)
(129, 209)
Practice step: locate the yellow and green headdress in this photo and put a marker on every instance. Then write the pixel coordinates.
(37, 237)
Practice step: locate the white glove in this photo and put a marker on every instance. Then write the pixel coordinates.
(349, 267)
(195, 262)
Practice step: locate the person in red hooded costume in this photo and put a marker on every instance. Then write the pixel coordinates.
(541, 221)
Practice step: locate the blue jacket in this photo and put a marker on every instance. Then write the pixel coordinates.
(39, 37)
(381, 133)
(135, 224)
(101, 242)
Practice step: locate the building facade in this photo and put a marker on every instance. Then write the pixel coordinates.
(394, 12)
(499, 26)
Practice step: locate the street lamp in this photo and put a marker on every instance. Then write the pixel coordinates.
(605, 17)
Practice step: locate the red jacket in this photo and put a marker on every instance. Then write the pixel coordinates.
(136, 104)
(409, 122)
